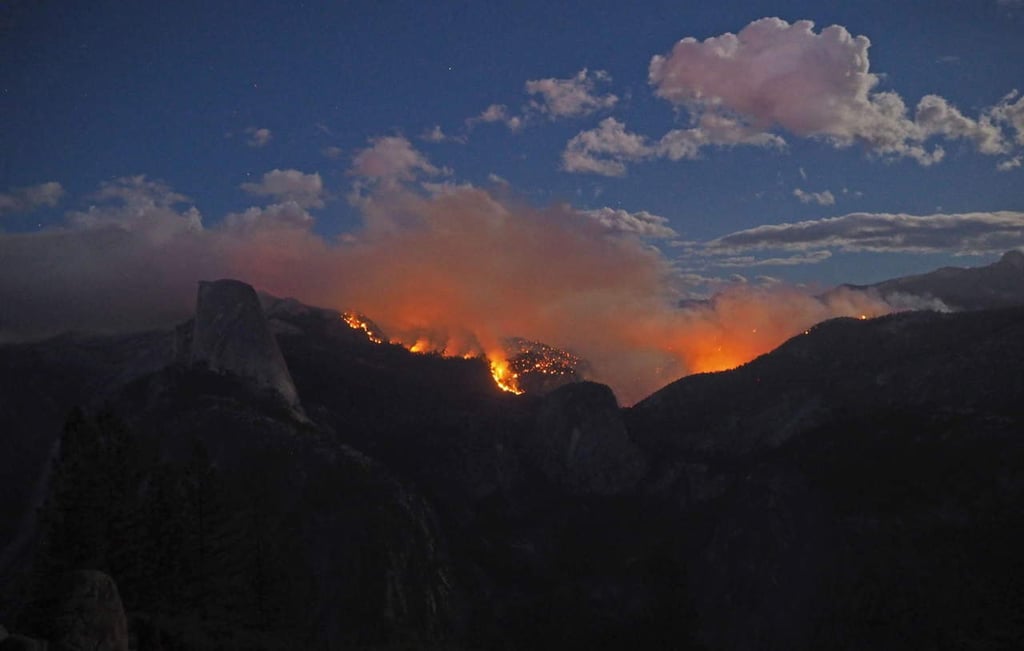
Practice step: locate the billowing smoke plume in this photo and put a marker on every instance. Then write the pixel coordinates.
(458, 269)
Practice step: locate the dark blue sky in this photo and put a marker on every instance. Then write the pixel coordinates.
(177, 91)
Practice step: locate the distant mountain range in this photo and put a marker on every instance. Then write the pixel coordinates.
(1000, 284)
(267, 476)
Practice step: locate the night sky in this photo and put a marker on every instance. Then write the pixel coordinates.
(812, 143)
(208, 96)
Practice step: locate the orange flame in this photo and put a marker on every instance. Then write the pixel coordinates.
(504, 377)
(356, 323)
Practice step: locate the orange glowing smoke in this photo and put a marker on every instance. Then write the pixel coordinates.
(461, 271)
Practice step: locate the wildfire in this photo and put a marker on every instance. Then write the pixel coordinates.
(357, 323)
(718, 359)
(505, 377)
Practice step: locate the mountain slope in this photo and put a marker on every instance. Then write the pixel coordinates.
(1000, 284)
(859, 487)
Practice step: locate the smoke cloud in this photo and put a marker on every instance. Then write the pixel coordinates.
(460, 269)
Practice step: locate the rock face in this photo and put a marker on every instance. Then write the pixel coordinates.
(231, 335)
(86, 613)
(582, 443)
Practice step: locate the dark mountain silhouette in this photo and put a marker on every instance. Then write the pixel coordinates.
(855, 488)
(1000, 284)
(859, 487)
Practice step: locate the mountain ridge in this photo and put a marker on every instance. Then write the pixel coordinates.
(816, 496)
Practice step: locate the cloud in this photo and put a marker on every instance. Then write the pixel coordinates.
(30, 198)
(1009, 164)
(137, 204)
(572, 97)
(641, 223)
(1010, 112)
(936, 116)
(497, 113)
(434, 135)
(303, 189)
(607, 149)
(259, 137)
(331, 152)
(825, 198)
(960, 233)
(812, 257)
(713, 130)
(289, 214)
(774, 74)
(389, 159)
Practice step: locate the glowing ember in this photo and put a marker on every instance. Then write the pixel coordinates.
(356, 323)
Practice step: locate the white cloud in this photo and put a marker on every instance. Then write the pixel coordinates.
(29, 198)
(713, 130)
(138, 204)
(640, 223)
(1009, 164)
(434, 135)
(603, 150)
(305, 190)
(811, 257)
(958, 233)
(1009, 112)
(497, 113)
(606, 149)
(389, 159)
(572, 97)
(774, 74)
(288, 214)
(937, 116)
(825, 198)
(259, 137)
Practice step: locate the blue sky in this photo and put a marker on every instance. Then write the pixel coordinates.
(148, 144)
(92, 92)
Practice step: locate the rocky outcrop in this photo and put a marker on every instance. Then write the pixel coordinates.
(231, 335)
(80, 611)
(581, 442)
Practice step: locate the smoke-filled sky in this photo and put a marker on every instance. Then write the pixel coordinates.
(467, 171)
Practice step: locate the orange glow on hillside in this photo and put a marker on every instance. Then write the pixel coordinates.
(504, 377)
(356, 323)
(717, 358)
